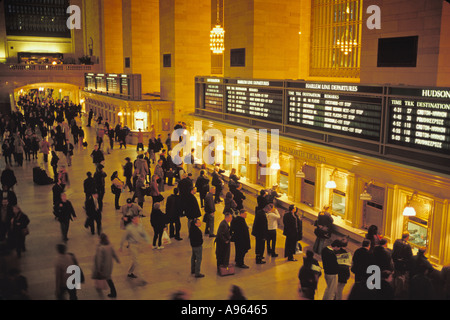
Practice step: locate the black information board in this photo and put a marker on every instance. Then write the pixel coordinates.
(420, 118)
(89, 81)
(256, 99)
(213, 94)
(344, 109)
(124, 85)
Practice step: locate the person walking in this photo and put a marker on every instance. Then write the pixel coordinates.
(18, 230)
(99, 178)
(54, 165)
(210, 209)
(117, 186)
(93, 214)
(173, 214)
(65, 213)
(272, 226)
(309, 275)
(223, 242)
(135, 235)
(128, 173)
(291, 232)
(331, 269)
(45, 148)
(240, 235)
(103, 263)
(63, 261)
(89, 185)
(158, 222)
(159, 172)
(196, 241)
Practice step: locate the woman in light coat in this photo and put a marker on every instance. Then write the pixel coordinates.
(103, 263)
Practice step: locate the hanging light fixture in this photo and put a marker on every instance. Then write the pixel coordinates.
(366, 195)
(409, 210)
(217, 35)
(331, 184)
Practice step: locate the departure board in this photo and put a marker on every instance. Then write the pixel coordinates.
(124, 85)
(213, 94)
(345, 109)
(100, 83)
(113, 84)
(420, 118)
(256, 99)
(89, 81)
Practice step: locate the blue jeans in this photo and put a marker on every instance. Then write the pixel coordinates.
(196, 259)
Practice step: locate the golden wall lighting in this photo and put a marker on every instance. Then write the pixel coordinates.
(300, 173)
(217, 35)
(409, 210)
(331, 184)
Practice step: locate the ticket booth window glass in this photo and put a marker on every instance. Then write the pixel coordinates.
(418, 225)
(338, 202)
(140, 120)
(284, 182)
(418, 234)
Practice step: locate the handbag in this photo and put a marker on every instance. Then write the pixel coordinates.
(25, 231)
(165, 238)
(226, 270)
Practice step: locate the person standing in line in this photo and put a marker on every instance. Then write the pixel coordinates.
(210, 209)
(140, 140)
(259, 231)
(240, 235)
(324, 225)
(93, 214)
(65, 213)
(331, 269)
(18, 230)
(218, 183)
(173, 215)
(128, 173)
(309, 275)
(361, 261)
(134, 234)
(402, 253)
(223, 242)
(343, 257)
(373, 236)
(272, 225)
(103, 263)
(202, 185)
(192, 208)
(239, 197)
(196, 240)
(158, 222)
(63, 261)
(291, 233)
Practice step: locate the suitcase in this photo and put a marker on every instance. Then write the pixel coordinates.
(40, 177)
(226, 270)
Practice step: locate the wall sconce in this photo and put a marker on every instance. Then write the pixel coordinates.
(409, 211)
(331, 184)
(120, 114)
(275, 166)
(236, 153)
(366, 195)
(300, 173)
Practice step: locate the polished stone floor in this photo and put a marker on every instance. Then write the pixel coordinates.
(166, 270)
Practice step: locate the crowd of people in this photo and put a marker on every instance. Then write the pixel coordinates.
(50, 126)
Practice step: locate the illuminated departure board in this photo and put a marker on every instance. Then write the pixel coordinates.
(213, 94)
(123, 85)
(420, 118)
(334, 107)
(256, 99)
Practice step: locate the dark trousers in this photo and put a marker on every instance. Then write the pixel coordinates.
(101, 194)
(129, 184)
(112, 288)
(116, 200)
(174, 228)
(240, 254)
(91, 221)
(64, 229)
(157, 235)
(222, 254)
(218, 192)
(202, 199)
(271, 241)
(63, 290)
(45, 157)
(259, 247)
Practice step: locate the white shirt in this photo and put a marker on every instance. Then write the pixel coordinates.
(272, 219)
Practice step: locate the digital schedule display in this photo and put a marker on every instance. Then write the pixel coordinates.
(113, 84)
(253, 99)
(420, 118)
(124, 85)
(334, 107)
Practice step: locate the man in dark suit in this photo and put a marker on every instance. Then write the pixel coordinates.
(223, 242)
(360, 261)
(173, 214)
(239, 196)
(196, 240)
(291, 233)
(240, 235)
(260, 231)
(217, 182)
(93, 214)
(65, 213)
(202, 185)
(210, 209)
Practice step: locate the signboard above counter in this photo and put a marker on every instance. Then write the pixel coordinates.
(124, 86)
(410, 125)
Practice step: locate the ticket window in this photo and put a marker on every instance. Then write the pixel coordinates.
(140, 120)
(418, 225)
(283, 176)
(308, 189)
(339, 195)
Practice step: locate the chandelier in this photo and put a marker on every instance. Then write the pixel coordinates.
(217, 35)
(346, 44)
